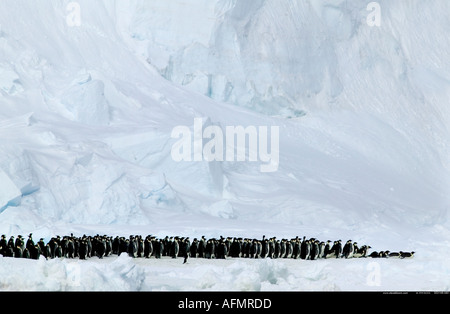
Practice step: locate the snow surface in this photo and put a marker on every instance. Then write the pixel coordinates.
(87, 112)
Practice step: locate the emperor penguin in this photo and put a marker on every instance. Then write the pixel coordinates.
(406, 254)
(347, 251)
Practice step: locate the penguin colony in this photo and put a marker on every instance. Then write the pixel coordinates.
(136, 246)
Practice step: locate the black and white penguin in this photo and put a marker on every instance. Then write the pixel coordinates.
(83, 249)
(321, 250)
(35, 252)
(374, 254)
(264, 248)
(194, 248)
(201, 247)
(394, 254)
(297, 249)
(30, 242)
(132, 247)
(308, 250)
(175, 251)
(25, 253)
(100, 247)
(185, 248)
(209, 249)
(314, 250)
(3, 245)
(347, 251)
(18, 252)
(277, 248)
(58, 251)
(330, 250)
(158, 248)
(70, 248)
(406, 254)
(140, 246)
(148, 246)
(108, 245)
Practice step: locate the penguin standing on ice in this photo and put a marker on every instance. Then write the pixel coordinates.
(338, 249)
(314, 250)
(194, 248)
(175, 248)
(347, 251)
(132, 247)
(185, 248)
(201, 247)
(148, 247)
(82, 249)
(3, 245)
(297, 248)
(321, 250)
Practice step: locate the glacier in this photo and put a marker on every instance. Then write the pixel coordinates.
(87, 110)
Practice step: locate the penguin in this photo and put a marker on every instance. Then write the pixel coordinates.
(90, 250)
(47, 251)
(30, 242)
(406, 254)
(70, 248)
(18, 252)
(58, 251)
(394, 254)
(148, 247)
(330, 250)
(26, 253)
(108, 245)
(3, 245)
(297, 249)
(374, 254)
(41, 244)
(283, 248)
(175, 247)
(158, 248)
(194, 248)
(384, 254)
(321, 250)
(235, 248)
(347, 251)
(338, 249)
(314, 250)
(201, 247)
(264, 248)
(303, 248)
(140, 247)
(64, 244)
(100, 247)
(132, 247)
(277, 248)
(209, 252)
(289, 249)
(221, 250)
(115, 245)
(246, 248)
(185, 248)
(11, 242)
(82, 250)
(35, 252)
(308, 250)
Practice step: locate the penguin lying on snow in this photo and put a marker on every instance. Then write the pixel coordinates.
(406, 254)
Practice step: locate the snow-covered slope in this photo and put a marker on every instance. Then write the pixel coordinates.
(87, 112)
